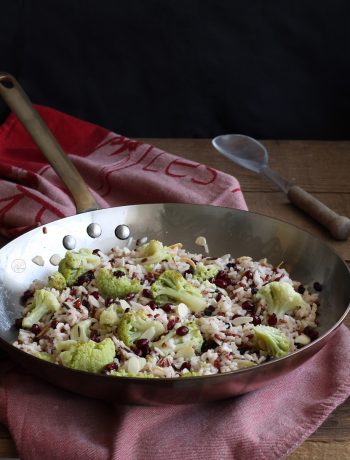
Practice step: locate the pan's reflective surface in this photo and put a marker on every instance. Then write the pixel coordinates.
(227, 231)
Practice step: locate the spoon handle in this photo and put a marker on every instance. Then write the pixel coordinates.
(339, 226)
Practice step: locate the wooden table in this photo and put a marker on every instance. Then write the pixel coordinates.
(323, 169)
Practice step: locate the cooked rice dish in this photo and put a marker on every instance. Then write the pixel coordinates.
(159, 311)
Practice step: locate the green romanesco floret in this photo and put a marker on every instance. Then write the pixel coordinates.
(44, 356)
(184, 346)
(205, 272)
(171, 287)
(89, 356)
(135, 323)
(44, 302)
(80, 332)
(57, 281)
(115, 283)
(75, 264)
(271, 340)
(125, 373)
(280, 297)
(110, 317)
(152, 253)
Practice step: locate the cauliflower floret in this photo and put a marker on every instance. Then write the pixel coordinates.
(44, 302)
(172, 286)
(136, 323)
(88, 356)
(75, 264)
(115, 283)
(272, 340)
(57, 281)
(280, 297)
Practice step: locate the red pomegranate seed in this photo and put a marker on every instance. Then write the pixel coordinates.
(248, 274)
(249, 306)
(77, 304)
(111, 367)
(182, 330)
(185, 365)
(171, 324)
(152, 305)
(130, 296)
(221, 283)
(54, 323)
(167, 308)
(272, 320)
(256, 320)
(35, 329)
(209, 310)
(147, 293)
(95, 294)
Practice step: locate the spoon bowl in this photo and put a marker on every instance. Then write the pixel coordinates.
(244, 150)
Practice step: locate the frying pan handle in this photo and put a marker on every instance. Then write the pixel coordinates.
(18, 102)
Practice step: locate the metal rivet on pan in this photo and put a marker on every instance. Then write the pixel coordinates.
(94, 230)
(122, 232)
(69, 242)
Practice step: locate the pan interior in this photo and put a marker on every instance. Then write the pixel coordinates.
(226, 231)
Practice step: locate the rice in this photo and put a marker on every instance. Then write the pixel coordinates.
(226, 324)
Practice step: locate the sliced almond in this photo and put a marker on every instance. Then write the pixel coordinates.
(44, 330)
(176, 246)
(189, 262)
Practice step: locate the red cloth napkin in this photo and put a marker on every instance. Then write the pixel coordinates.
(49, 423)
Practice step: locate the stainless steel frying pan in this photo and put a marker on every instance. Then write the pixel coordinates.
(227, 231)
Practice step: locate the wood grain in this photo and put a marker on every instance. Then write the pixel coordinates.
(322, 168)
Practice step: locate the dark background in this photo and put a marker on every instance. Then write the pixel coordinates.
(185, 68)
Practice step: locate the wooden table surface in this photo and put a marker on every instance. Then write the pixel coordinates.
(322, 168)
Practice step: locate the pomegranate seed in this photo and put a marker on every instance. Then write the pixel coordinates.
(18, 323)
(95, 294)
(248, 274)
(190, 271)
(171, 324)
(130, 296)
(85, 278)
(119, 273)
(54, 323)
(272, 320)
(141, 343)
(152, 305)
(318, 286)
(77, 304)
(221, 283)
(142, 347)
(151, 277)
(209, 310)
(219, 297)
(108, 302)
(182, 330)
(95, 251)
(111, 367)
(249, 306)
(185, 365)
(26, 295)
(147, 293)
(301, 289)
(35, 329)
(256, 320)
(208, 344)
(94, 336)
(167, 308)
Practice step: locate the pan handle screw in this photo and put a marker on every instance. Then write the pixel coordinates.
(94, 230)
(69, 242)
(122, 232)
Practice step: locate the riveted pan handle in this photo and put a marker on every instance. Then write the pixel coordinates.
(19, 103)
